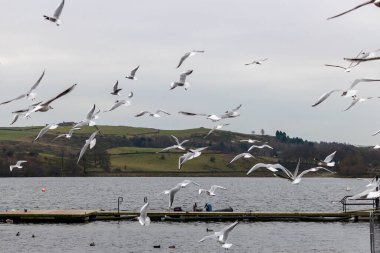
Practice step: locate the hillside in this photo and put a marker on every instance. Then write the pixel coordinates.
(132, 151)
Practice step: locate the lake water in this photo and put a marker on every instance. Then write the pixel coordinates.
(243, 194)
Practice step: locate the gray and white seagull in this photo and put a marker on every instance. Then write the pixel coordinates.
(90, 143)
(132, 76)
(187, 55)
(30, 94)
(182, 80)
(57, 13)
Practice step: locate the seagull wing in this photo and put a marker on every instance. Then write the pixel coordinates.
(133, 72)
(44, 130)
(175, 138)
(192, 114)
(115, 87)
(60, 94)
(83, 150)
(182, 77)
(355, 82)
(330, 157)
(159, 110)
(37, 83)
(141, 113)
(17, 98)
(354, 102)
(336, 66)
(356, 7)
(90, 114)
(59, 9)
(215, 237)
(209, 132)
(313, 170)
(297, 168)
(323, 97)
(183, 58)
(238, 157)
(214, 187)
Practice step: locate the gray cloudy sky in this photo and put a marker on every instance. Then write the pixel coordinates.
(99, 42)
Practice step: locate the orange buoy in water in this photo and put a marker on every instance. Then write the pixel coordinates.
(43, 189)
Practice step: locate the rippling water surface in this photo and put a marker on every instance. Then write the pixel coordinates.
(243, 194)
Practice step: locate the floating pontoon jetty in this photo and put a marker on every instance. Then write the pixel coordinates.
(78, 216)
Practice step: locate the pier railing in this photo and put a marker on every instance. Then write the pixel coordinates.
(357, 202)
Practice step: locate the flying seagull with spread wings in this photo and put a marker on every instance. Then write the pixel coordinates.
(30, 94)
(187, 55)
(132, 76)
(222, 235)
(182, 80)
(44, 107)
(57, 13)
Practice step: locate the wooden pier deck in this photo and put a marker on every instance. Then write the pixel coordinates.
(77, 216)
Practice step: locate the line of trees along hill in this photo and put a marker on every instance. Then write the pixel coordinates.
(59, 158)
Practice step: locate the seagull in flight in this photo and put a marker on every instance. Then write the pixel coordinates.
(328, 161)
(193, 153)
(119, 103)
(17, 165)
(182, 80)
(227, 114)
(131, 76)
(90, 142)
(30, 94)
(346, 69)
(143, 218)
(172, 192)
(217, 127)
(68, 135)
(156, 114)
(186, 182)
(259, 62)
(375, 2)
(271, 167)
(57, 13)
(45, 129)
(250, 141)
(187, 55)
(90, 118)
(222, 235)
(44, 107)
(176, 146)
(347, 93)
(294, 177)
(356, 99)
(212, 190)
(261, 146)
(350, 91)
(242, 155)
(116, 90)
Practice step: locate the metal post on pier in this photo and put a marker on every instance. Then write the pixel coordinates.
(119, 201)
(145, 199)
(377, 189)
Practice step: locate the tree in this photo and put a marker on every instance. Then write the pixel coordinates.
(262, 132)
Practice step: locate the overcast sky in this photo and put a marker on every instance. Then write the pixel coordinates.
(99, 42)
